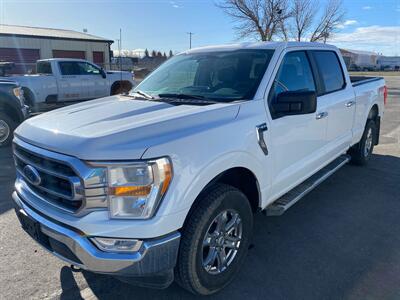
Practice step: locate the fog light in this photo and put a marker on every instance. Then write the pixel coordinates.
(117, 245)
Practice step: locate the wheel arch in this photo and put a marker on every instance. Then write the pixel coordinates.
(29, 96)
(244, 180)
(373, 112)
(240, 177)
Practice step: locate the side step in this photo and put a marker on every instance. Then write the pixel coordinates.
(282, 204)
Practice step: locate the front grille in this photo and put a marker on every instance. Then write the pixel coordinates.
(58, 179)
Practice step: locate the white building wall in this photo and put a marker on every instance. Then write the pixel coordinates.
(47, 46)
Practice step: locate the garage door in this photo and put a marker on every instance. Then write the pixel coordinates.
(98, 58)
(68, 54)
(24, 59)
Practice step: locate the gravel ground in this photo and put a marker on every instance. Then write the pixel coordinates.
(341, 241)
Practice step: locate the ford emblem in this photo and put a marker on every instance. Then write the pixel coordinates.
(32, 175)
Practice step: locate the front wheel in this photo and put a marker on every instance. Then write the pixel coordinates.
(7, 126)
(362, 152)
(215, 240)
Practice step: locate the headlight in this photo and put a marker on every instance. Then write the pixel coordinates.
(135, 190)
(19, 93)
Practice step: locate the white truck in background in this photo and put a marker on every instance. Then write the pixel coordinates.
(58, 81)
(163, 183)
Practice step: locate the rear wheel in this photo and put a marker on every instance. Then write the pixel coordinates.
(362, 152)
(121, 88)
(214, 240)
(7, 126)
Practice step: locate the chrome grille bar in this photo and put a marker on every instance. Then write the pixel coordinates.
(68, 183)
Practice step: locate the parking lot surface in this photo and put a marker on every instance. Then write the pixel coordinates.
(342, 241)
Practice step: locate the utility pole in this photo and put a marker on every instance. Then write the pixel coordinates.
(190, 39)
(120, 54)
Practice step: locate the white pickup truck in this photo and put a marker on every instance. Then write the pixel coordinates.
(163, 183)
(62, 80)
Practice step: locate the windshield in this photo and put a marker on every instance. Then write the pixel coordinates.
(218, 76)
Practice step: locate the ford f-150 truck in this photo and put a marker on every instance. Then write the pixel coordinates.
(63, 80)
(163, 183)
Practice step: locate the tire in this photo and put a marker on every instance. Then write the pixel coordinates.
(117, 89)
(120, 88)
(7, 127)
(199, 269)
(361, 152)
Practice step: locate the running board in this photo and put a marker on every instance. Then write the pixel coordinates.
(282, 204)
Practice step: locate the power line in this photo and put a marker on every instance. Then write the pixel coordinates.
(190, 39)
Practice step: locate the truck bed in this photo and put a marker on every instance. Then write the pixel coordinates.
(359, 80)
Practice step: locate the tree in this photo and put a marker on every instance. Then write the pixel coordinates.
(332, 16)
(153, 53)
(146, 53)
(303, 13)
(164, 55)
(170, 53)
(159, 54)
(287, 19)
(260, 18)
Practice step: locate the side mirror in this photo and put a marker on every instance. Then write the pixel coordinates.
(295, 103)
(103, 73)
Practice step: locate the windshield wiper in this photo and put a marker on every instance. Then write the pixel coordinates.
(180, 101)
(181, 96)
(145, 95)
(213, 99)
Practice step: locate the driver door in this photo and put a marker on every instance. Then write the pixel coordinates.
(298, 140)
(93, 82)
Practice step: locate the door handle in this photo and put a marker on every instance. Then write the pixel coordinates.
(350, 103)
(321, 115)
(260, 137)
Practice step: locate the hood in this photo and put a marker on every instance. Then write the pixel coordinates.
(119, 127)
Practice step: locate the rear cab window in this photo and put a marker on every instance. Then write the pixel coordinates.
(44, 67)
(69, 68)
(330, 71)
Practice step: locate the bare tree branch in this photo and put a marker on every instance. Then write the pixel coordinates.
(303, 15)
(331, 17)
(287, 19)
(260, 18)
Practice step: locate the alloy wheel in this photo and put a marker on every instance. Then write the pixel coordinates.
(4, 131)
(368, 143)
(222, 241)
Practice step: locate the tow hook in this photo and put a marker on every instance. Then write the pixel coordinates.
(75, 269)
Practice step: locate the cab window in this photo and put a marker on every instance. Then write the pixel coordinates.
(330, 71)
(43, 67)
(294, 74)
(69, 68)
(88, 69)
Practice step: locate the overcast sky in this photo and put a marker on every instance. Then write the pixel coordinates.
(163, 25)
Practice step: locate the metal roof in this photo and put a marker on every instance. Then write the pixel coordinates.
(362, 52)
(51, 33)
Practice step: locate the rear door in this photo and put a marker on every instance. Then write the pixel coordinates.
(298, 141)
(70, 85)
(338, 97)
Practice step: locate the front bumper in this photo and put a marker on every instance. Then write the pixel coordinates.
(155, 257)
